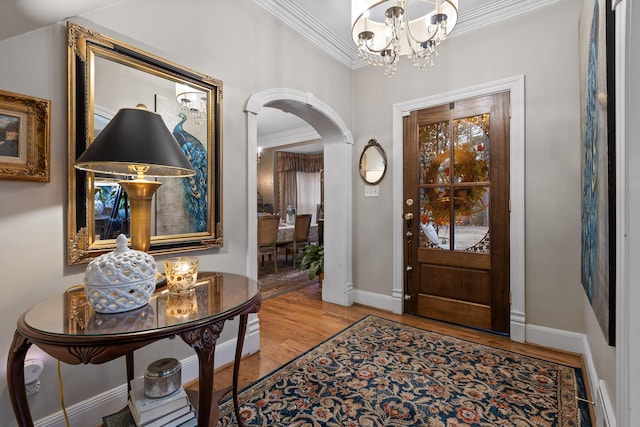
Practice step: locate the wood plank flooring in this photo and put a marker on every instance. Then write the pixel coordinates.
(293, 323)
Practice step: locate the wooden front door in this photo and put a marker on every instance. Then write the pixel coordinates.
(456, 204)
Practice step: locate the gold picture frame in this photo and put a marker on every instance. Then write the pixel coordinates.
(25, 130)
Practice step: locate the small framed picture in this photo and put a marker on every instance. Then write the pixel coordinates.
(24, 137)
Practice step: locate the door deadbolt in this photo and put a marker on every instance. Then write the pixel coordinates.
(409, 202)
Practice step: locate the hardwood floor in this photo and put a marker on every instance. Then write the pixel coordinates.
(293, 323)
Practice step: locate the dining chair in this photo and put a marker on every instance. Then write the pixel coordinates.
(300, 237)
(267, 237)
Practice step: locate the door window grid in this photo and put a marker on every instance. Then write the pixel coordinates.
(463, 172)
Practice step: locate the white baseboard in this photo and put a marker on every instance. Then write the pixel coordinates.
(517, 326)
(592, 374)
(371, 299)
(555, 338)
(604, 411)
(90, 412)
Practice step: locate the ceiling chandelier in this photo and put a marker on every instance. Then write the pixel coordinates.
(385, 30)
(193, 103)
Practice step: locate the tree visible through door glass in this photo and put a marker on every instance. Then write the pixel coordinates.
(454, 161)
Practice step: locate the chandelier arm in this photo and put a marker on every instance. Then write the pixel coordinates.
(413, 39)
(379, 51)
(432, 33)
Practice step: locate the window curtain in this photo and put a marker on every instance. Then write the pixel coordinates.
(288, 191)
(308, 193)
(288, 165)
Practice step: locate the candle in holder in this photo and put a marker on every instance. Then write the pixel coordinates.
(182, 273)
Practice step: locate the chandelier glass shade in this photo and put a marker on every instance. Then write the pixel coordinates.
(385, 30)
(193, 103)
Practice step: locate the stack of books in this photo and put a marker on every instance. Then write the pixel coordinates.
(173, 410)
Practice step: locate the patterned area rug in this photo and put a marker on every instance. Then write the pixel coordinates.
(381, 373)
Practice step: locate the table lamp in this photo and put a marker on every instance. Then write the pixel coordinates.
(136, 142)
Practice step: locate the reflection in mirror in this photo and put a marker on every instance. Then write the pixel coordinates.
(105, 76)
(373, 163)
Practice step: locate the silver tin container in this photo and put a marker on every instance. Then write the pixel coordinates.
(162, 377)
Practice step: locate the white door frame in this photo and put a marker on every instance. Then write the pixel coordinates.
(337, 142)
(515, 85)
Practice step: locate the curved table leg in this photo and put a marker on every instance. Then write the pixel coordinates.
(15, 379)
(236, 366)
(203, 341)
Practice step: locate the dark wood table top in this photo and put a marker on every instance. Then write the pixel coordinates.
(69, 316)
(67, 328)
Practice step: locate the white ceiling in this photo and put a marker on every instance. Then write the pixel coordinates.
(22, 16)
(324, 22)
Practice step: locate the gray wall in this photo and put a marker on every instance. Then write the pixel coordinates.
(260, 53)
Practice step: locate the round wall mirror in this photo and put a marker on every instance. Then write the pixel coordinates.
(373, 163)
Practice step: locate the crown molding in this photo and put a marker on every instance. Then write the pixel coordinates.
(307, 25)
(345, 50)
(290, 136)
(495, 11)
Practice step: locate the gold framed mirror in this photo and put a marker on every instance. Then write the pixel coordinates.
(105, 75)
(373, 163)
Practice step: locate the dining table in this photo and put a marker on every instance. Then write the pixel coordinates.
(285, 233)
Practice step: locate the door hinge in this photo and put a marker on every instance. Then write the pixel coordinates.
(509, 110)
(509, 205)
(509, 297)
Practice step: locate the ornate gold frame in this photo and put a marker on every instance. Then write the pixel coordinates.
(31, 162)
(84, 48)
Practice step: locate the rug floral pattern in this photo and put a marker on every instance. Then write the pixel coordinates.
(381, 373)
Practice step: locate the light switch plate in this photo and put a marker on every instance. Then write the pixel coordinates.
(371, 191)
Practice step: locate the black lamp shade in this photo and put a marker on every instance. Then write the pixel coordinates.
(135, 137)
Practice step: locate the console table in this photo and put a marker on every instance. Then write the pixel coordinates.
(66, 328)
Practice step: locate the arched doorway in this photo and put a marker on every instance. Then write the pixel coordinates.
(338, 154)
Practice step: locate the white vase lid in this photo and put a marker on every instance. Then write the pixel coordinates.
(122, 266)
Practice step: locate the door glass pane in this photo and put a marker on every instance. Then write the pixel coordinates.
(433, 143)
(435, 201)
(435, 205)
(471, 230)
(471, 151)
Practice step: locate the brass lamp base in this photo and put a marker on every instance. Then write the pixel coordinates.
(140, 192)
